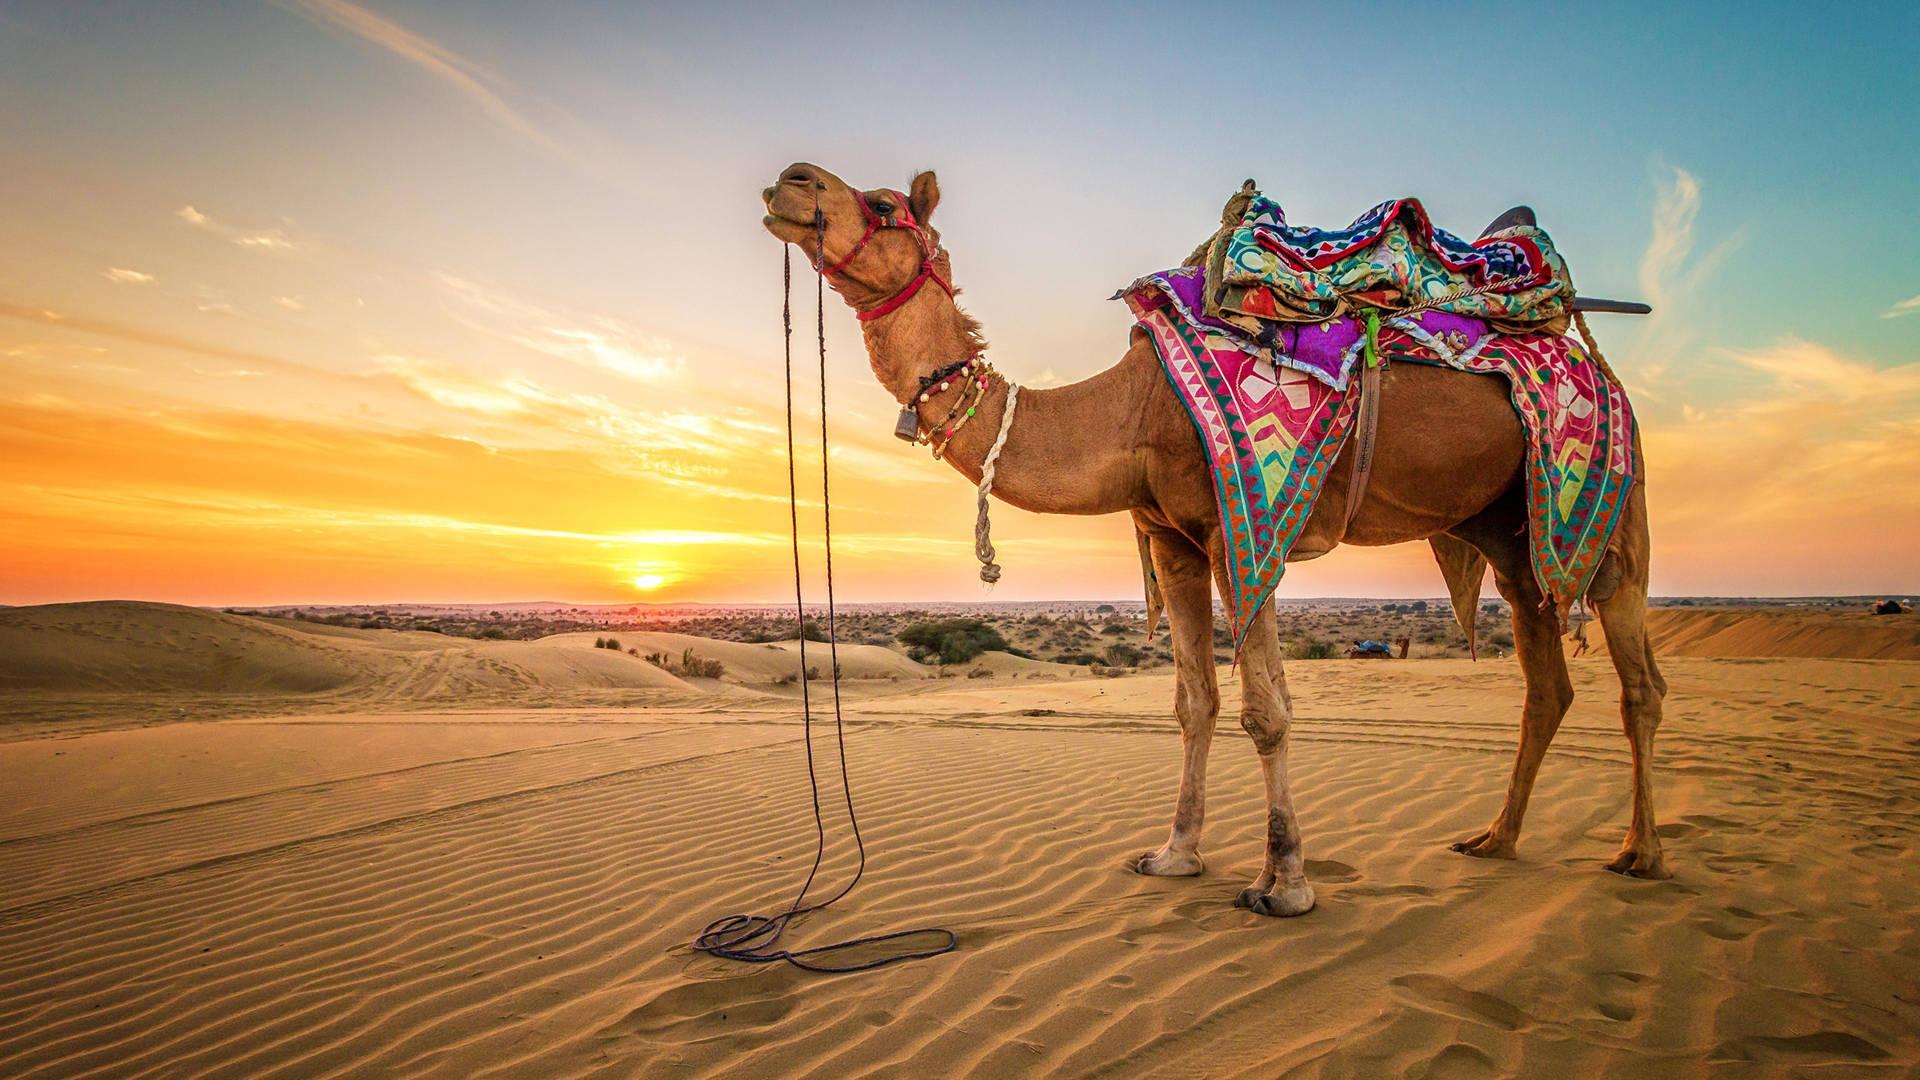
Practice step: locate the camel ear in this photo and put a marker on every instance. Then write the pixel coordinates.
(925, 196)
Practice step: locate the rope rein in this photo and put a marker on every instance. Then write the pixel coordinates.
(982, 528)
(755, 939)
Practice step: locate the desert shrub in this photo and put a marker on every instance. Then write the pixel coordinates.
(1310, 649)
(1418, 606)
(1114, 628)
(955, 640)
(919, 653)
(979, 673)
(1080, 658)
(1103, 609)
(1502, 640)
(1023, 654)
(599, 643)
(1120, 654)
(699, 667)
(493, 633)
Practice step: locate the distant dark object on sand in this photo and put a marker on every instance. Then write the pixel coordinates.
(1889, 607)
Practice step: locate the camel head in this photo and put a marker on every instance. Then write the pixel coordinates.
(872, 247)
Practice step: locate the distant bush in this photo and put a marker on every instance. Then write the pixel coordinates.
(607, 643)
(699, 667)
(1120, 654)
(1114, 628)
(1080, 658)
(1103, 609)
(979, 673)
(1310, 649)
(955, 640)
(493, 633)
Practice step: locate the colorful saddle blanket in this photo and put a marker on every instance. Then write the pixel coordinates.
(1273, 421)
(1269, 271)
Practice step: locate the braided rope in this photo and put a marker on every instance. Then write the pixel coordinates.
(982, 528)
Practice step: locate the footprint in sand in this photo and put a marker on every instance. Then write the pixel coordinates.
(1732, 924)
(1824, 1047)
(1460, 1061)
(1435, 993)
(1328, 871)
(701, 1010)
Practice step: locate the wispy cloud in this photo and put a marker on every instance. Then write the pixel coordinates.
(270, 239)
(594, 341)
(1909, 306)
(474, 82)
(120, 275)
(1670, 276)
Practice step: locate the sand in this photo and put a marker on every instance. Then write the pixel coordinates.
(429, 884)
(1857, 635)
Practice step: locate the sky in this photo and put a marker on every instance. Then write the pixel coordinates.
(329, 301)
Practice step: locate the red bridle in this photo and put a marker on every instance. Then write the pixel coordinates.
(900, 218)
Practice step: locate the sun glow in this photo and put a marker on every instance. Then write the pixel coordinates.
(649, 582)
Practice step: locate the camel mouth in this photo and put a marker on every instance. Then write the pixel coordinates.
(791, 230)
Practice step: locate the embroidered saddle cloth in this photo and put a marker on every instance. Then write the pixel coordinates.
(1268, 272)
(1273, 420)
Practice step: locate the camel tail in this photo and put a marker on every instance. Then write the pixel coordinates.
(1155, 604)
(1464, 569)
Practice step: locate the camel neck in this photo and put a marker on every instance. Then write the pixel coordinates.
(926, 334)
(1064, 428)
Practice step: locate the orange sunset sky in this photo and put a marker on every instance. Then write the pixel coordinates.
(334, 302)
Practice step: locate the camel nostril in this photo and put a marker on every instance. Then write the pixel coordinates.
(798, 174)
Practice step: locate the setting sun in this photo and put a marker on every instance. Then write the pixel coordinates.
(649, 582)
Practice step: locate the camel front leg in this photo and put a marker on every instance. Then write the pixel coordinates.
(1266, 712)
(1186, 584)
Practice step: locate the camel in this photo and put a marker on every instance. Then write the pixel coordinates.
(1447, 469)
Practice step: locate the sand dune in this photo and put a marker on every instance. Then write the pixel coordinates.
(766, 662)
(1857, 635)
(491, 890)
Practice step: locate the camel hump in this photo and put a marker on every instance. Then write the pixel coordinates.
(1514, 218)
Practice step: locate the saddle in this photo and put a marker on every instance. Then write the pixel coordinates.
(1522, 217)
(1264, 272)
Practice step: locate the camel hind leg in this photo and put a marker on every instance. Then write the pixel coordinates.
(1536, 637)
(1620, 597)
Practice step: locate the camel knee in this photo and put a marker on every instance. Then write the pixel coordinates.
(1552, 700)
(1268, 724)
(1196, 706)
(1640, 702)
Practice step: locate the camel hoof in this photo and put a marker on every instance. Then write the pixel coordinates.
(1286, 903)
(1639, 864)
(1484, 846)
(1164, 863)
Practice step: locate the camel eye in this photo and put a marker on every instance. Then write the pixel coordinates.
(882, 208)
